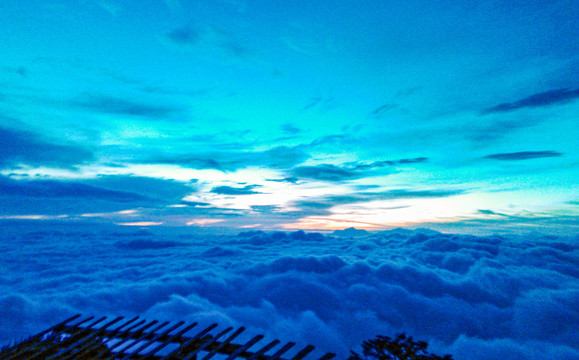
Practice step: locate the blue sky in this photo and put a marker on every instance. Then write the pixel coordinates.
(274, 115)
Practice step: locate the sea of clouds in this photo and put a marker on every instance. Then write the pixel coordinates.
(492, 297)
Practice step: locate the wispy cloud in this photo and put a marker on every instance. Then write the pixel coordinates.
(174, 5)
(192, 35)
(280, 157)
(228, 190)
(484, 132)
(203, 222)
(391, 195)
(185, 35)
(320, 205)
(61, 189)
(379, 164)
(290, 129)
(547, 98)
(348, 171)
(119, 106)
(523, 155)
(140, 224)
(322, 103)
(325, 172)
(112, 8)
(24, 147)
(110, 193)
(382, 110)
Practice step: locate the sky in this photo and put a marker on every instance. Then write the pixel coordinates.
(281, 116)
(200, 160)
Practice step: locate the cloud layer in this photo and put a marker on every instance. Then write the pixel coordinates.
(475, 297)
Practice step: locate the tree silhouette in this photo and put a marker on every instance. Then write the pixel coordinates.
(400, 348)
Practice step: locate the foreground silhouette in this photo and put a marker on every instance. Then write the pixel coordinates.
(400, 348)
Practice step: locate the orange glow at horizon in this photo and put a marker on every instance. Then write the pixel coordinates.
(141, 223)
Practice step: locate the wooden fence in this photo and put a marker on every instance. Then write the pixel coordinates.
(90, 338)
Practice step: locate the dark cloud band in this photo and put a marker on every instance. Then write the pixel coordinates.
(523, 155)
(547, 98)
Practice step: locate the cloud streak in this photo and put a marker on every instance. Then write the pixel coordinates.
(348, 171)
(109, 193)
(20, 146)
(185, 35)
(320, 205)
(58, 189)
(228, 190)
(193, 35)
(523, 155)
(279, 157)
(543, 99)
(118, 106)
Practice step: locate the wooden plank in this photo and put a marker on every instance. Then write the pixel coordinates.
(328, 356)
(86, 339)
(61, 324)
(244, 347)
(17, 355)
(263, 350)
(223, 344)
(84, 342)
(75, 326)
(305, 351)
(82, 332)
(206, 344)
(99, 339)
(143, 336)
(282, 351)
(190, 341)
(174, 338)
(123, 325)
(128, 331)
(117, 331)
(151, 341)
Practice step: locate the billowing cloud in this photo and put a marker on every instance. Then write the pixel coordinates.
(523, 155)
(473, 297)
(24, 147)
(546, 98)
